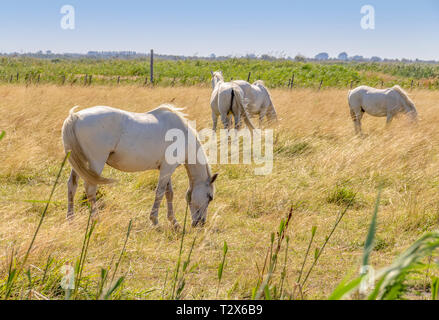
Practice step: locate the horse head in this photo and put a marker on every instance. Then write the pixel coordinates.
(217, 77)
(199, 198)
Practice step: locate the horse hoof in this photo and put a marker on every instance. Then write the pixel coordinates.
(154, 221)
(176, 227)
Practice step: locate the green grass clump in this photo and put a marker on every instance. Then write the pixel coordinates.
(341, 196)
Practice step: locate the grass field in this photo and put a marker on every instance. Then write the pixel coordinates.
(188, 72)
(319, 166)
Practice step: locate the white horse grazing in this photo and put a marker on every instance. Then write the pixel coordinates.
(133, 142)
(228, 99)
(379, 103)
(260, 103)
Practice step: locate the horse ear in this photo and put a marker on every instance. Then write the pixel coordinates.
(212, 180)
(211, 72)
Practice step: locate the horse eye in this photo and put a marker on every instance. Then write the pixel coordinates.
(210, 197)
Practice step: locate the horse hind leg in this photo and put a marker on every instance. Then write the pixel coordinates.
(225, 120)
(72, 186)
(215, 121)
(90, 189)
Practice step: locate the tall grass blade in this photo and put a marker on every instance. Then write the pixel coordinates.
(319, 252)
(434, 288)
(369, 244)
(177, 267)
(43, 215)
(221, 266)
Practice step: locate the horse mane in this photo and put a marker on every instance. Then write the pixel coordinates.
(173, 109)
(183, 116)
(404, 95)
(217, 74)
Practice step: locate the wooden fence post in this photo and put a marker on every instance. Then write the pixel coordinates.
(146, 81)
(118, 80)
(411, 85)
(352, 83)
(18, 76)
(382, 84)
(151, 67)
(89, 79)
(321, 83)
(292, 82)
(85, 79)
(249, 75)
(63, 79)
(38, 80)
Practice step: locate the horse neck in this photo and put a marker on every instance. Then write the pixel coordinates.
(216, 81)
(198, 172)
(408, 106)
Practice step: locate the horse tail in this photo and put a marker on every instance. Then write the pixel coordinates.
(77, 158)
(406, 99)
(241, 102)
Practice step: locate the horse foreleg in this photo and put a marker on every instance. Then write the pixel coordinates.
(169, 199)
(357, 122)
(165, 177)
(262, 114)
(389, 119)
(72, 185)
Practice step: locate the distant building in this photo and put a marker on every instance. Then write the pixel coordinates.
(376, 59)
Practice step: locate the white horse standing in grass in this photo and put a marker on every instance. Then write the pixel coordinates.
(379, 103)
(228, 99)
(133, 142)
(260, 103)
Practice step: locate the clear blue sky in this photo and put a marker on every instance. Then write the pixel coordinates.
(403, 28)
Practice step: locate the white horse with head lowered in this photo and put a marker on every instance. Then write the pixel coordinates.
(228, 99)
(133, 142)
(379, 103)
(260, 103)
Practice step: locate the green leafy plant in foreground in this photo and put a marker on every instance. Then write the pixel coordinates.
(389, 282)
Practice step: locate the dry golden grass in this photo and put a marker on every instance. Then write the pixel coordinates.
(316, 154)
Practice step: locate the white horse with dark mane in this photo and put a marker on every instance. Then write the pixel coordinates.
(227, 99)
(134, 142)
(379, 103)
(260, 103)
